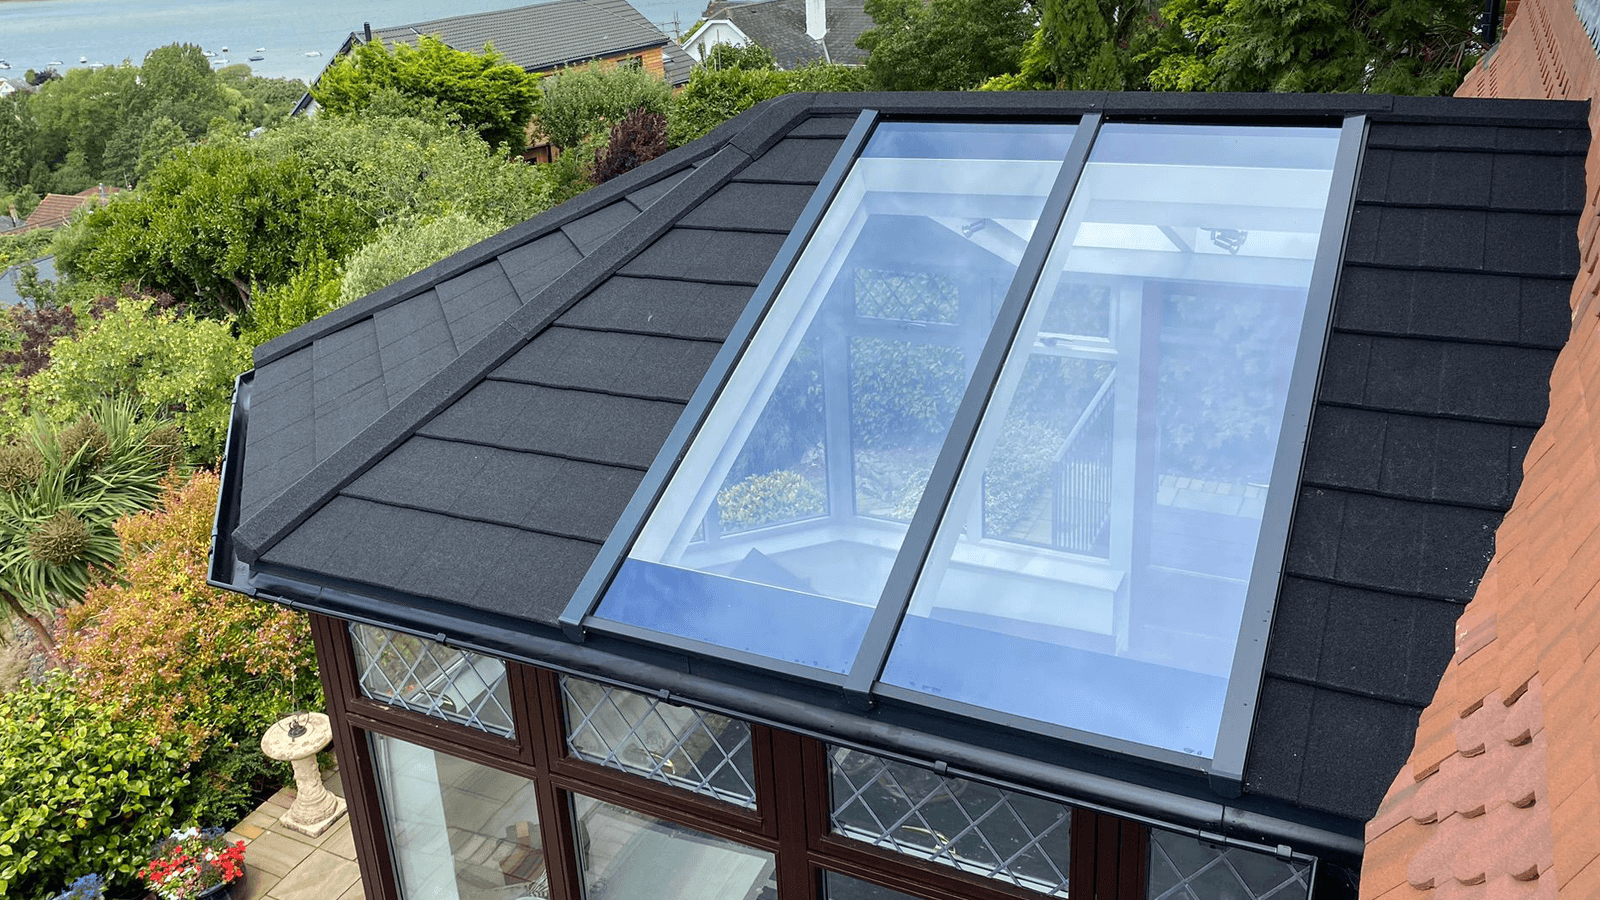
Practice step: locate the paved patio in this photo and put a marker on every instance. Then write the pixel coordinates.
(286, 865)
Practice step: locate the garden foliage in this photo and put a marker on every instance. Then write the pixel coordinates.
(81, 789)
(483, 91)
(402, 250)
(713, 96)
(640, 137)
(587, 101)
(179, 368)
(208, 670)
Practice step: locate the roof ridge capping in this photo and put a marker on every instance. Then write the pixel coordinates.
(492, 247)
(297, 503)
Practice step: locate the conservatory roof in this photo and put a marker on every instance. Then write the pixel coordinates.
(471, 454)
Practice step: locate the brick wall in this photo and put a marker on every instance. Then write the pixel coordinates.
(1500, 795)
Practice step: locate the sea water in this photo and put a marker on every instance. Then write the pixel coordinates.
(35, 33)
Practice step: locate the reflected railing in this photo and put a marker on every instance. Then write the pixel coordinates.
(1079, 488)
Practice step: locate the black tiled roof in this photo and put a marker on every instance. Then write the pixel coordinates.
(464, 441)
(1446, 325)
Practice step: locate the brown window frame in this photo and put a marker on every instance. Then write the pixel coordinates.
(791, 818)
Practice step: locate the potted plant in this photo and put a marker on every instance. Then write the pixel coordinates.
(193, 864)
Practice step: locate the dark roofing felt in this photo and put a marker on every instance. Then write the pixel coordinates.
(543, 35)
(490, 488)
(780, 26)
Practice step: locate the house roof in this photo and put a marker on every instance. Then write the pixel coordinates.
(780, 26)
(458, 480)
(56, 209)
(541, 36)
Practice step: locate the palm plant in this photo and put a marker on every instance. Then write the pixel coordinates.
(61, 489)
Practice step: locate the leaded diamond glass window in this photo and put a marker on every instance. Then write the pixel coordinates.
(430, 678)
(688, 748)
(1185, 868)
(973, 827)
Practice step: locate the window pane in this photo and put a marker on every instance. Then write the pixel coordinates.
(687, 748)
(1185, 868)
(627, 855)
(1103, 529)
(777, 532)
(973, 827)
(430, 678)
(458, 830)
(843, 887)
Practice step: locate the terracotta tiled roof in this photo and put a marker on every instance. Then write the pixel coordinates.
(56, 209)
(1501, 794)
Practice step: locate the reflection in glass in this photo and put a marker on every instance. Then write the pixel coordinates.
(777, 532)
(433, 679)
(458, 830)
(627, 855)
(1102, 532)
(973, 827)
(685, 747)
(843, 887)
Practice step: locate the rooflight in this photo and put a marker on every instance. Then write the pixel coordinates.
(1004, 441)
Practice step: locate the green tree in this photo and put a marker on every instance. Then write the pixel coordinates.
(484, 91)
(210, 221)
(61, 489)
(1404, 47)
(944, 45)
(585, 102)
(16, 138)
(1085, 45)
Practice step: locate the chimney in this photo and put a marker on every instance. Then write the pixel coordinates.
(816, 19)
(366, 29)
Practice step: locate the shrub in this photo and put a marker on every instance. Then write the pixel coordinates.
(587, 101)
(714, 96)
(309, 293)
(177, 366)
(640, 137)
(80, 788)
(1018, 475)
(208, 670)
(404, 249)
(769, 499)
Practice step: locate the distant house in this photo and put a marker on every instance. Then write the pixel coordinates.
(55, 209)
(545, 37)
(796, 31)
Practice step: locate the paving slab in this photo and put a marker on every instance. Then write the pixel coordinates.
(320, 876)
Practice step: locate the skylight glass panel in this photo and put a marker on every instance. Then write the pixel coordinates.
(777, 531)
(1091, 567)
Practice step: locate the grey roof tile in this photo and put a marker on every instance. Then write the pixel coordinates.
(742, 257)
(793, 161)
(658, 306)
(574, 424)
(633, 365)
(752, 207)
(543, 35)
(592, 230)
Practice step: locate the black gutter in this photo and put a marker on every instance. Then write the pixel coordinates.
(1210, 819)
